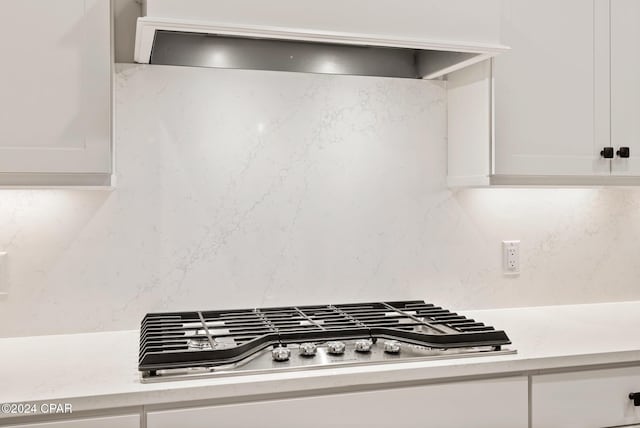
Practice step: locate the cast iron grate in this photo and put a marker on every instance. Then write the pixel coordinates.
(212, 338)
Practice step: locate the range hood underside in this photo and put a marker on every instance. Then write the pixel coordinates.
(256, 48)
(206, 50)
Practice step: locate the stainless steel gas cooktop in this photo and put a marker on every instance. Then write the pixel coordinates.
(183, 345)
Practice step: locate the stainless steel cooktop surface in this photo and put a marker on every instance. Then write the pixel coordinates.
(182, 345)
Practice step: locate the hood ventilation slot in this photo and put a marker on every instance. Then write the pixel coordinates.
(215, 51)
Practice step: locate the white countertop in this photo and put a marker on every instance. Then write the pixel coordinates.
(99, 370)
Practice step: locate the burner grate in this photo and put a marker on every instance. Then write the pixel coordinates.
(212, 338)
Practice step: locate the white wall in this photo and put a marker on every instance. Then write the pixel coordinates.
(245, 188)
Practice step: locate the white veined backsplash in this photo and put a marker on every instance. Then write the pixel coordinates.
(247, 188)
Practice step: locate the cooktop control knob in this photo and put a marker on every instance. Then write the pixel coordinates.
(335, 348)
(363, 345)
(308, 349)
(280, 353)
(392, 347)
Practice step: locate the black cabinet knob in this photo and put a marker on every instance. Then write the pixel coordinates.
(635, 396)
(607, 153)
(623, 152)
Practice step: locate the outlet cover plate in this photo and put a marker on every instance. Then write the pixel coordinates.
(511, 257)
(4, 277)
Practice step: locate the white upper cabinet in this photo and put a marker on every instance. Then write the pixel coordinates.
(568, 89)
(547, 88)
(625, 85)
(56, 92)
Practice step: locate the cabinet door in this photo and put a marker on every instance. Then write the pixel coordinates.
(598, 398)
(550, 88)
(488, 403)
(128, 421)
(55, 86)
(625, 84)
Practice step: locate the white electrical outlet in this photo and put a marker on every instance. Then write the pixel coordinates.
(3, 273)
(511, 257)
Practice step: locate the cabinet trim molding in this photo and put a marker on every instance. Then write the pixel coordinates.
(563, 180)
(45, 180)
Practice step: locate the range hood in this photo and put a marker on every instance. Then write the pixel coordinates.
(170, 36)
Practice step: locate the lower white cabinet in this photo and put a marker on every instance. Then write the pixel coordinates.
(596, 398)
(126, 421)
(493, 403)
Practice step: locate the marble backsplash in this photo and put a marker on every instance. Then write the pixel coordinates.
(246, 188)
